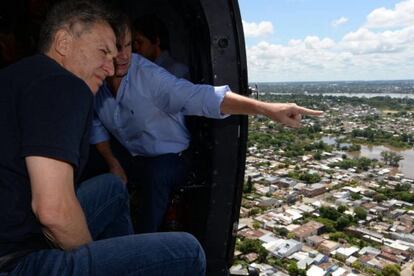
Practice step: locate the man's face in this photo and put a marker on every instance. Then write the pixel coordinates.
(91, 53)
(144, 47)
(123, 59)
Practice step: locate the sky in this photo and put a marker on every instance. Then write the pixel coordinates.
(328, 40)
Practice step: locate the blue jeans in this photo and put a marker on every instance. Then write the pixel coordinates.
(105, 203)
(157, 178)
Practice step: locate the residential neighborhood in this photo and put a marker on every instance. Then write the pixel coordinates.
(324, 209)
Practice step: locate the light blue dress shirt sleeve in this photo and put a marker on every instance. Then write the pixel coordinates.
(174, 95)
(147, 113)
(98, 132)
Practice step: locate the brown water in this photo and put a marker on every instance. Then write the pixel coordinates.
(374, 152)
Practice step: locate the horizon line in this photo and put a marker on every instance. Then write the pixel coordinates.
(392, 80)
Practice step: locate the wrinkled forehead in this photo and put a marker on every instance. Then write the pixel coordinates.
(98, 33)
(78, 28)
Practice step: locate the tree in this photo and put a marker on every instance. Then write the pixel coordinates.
(247, 246)
(360, 213)
(256, 225)
(391, 270)
(254, 211)
(282, 232)
(337, 235)
(379, 197)
(342, 222)
(391, 158)
(329, 213)
(402, 187)
(291, 235)
(342, 209)
(357, 265)
(293, 269)
(354, 147)
(355, 196)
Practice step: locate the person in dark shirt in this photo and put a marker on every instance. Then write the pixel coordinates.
(151, 40)
(49, 223)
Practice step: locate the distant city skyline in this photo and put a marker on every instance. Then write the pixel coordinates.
(325, 40)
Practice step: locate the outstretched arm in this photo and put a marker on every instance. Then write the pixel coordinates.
(288, 114)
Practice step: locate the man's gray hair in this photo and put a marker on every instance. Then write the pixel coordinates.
(67, 14)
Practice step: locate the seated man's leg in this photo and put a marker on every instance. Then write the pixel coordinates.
(105, 202)
(160, 176)
(146, 254)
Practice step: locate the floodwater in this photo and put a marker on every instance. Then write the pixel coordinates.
(374, 152)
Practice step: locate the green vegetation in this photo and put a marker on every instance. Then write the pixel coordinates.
(354, 147)
(294, 270)
(391, 270)
(293, 142)
(308, 178)
(361, 164)
(281, 232)
(342, 208)
(360, 213)
(391, 158)
(256, 225)
(355, 196)
(333, 220)
(342, 222)
(255, 211)
(400, 192)
(247, 246)
(329, 213)
(381, 137)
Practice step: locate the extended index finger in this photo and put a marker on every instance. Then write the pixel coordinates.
(307, 111)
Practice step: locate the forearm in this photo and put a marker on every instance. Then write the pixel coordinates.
(68, 229)
(54, 202)
(236, 104)
(104, 149)
(288, 114)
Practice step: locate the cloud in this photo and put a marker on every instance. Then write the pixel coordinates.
(362, 54)
(382, 48)
(314, 42)
(401, 16)
(339, 21)
(252, 29)
(364, 41)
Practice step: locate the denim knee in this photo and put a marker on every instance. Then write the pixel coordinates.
(114, 185)
(198, 252)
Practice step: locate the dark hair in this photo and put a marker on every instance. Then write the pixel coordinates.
(66, 14)
(152, 28)
(121, 24)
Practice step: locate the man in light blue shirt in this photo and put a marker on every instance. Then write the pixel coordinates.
(142, 106)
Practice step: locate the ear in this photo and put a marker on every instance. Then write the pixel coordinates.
(63, 42)
(158, 42)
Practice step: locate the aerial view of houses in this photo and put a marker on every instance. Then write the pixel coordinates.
(335, 197)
